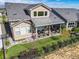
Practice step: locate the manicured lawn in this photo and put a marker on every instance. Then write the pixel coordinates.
(1, 55)
(15, 50)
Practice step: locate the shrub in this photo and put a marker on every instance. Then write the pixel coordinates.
(75, 30)
(14, 57)
(7, 42)
(55, 37)
(40, 51)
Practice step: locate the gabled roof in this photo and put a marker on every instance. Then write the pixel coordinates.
(33, 6)
(15, 12)
(17, 23)
(69, 14)
(51, 20)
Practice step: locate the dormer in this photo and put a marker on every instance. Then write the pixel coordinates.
(39, 10)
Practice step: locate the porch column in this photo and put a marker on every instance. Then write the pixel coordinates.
(49, 30)
(36, 33)
(67, 26)
(60, 28)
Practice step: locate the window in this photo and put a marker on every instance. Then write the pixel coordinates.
(71, 25)
(17, 31)
(45, 13)
(28, 29)
(23, 30)
(40, 13)
(35, 13)
(15, 14)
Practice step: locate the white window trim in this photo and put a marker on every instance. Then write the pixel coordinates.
(71, 24)
(40, 11)
(26, 31)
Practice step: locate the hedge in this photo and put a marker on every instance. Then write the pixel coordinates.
(76, 29)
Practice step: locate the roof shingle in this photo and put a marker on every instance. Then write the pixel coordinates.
(68, 13)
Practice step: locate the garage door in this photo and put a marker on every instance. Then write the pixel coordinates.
(0, 38)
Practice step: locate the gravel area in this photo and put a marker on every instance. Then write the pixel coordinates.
(70, 52)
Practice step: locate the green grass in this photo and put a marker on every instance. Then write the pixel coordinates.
(1, 54)
(15, 50)
(21, 47)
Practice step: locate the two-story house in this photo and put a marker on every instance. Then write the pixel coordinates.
(31, 21)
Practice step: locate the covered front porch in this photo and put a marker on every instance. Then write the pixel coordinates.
(45, 27)
(50, 30)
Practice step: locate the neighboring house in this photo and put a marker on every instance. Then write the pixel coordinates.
(69, 15)
(31, 21)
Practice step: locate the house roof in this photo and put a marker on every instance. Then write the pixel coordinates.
(69, 14)
(15, 11)
(55, 19)
(41, 21)
(33, 6)
(17, 23)
(78, 14)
